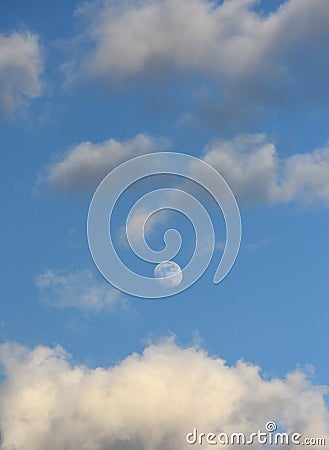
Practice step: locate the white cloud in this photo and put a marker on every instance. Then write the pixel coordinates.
(250, 164)
(142, 223)
(257, 174)
(86, 164)
(20, 69)
(307, 175)
(78, 289)
(146, 402)
(256, 57)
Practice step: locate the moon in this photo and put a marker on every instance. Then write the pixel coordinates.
(168, 273)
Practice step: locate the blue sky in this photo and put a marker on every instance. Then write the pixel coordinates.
(242, 85)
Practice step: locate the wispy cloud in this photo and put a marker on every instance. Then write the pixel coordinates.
(257, 245)
(77, 289)
(149, 401)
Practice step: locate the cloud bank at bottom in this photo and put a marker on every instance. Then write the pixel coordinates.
(147, 401)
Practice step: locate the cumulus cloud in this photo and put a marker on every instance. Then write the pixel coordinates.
(78, 289)
(250, 164)
(257, 174)
(86, 164)
(20, 69)
(146, 402)
(256, 57)
(307, 176)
